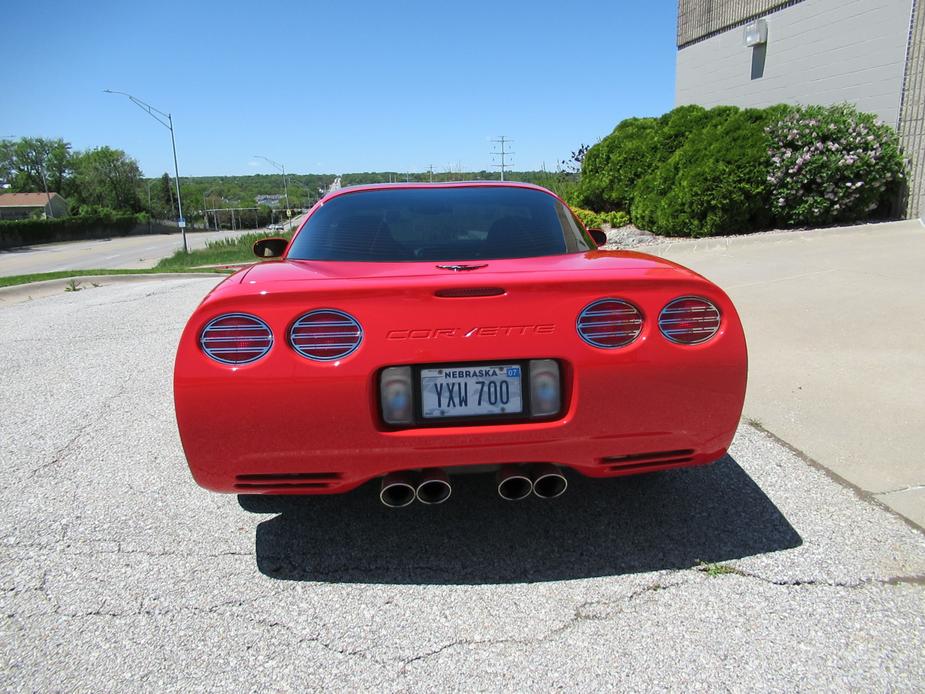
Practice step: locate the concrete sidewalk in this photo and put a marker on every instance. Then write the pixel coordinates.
(835, 321)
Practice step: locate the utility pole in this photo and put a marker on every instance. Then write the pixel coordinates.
(148, 186)
(502, 153)
(282, 168)
(431, 169)
(51, 212)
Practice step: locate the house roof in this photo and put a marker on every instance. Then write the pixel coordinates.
(26, 199)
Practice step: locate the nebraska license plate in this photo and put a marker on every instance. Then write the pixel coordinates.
(471, 391)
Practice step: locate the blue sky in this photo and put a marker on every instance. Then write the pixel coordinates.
(335, 86)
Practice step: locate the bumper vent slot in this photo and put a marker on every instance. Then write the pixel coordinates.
(287, 480)
(641, 462)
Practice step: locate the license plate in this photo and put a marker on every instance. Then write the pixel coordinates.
(471, 391)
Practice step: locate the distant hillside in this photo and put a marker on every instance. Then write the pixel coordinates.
(542, 178)
(306, 189)
(242, 191)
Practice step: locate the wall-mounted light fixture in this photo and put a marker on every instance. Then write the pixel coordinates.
(756, 33)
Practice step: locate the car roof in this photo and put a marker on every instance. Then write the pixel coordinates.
(403, 185)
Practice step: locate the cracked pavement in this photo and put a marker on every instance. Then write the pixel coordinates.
(118, 573)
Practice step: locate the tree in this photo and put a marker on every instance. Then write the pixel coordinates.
(30, 164)
(168, 207)
(106, 177)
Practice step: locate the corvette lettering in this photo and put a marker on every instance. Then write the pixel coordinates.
(478, 331)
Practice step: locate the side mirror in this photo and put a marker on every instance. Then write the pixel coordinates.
(270, 248)
(600, 238)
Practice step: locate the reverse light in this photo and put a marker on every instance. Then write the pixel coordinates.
(236, 338)
(689, 320)
(609, 323)
(545, 395)
(395, 395)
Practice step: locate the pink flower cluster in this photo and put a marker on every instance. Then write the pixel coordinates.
(826, 164)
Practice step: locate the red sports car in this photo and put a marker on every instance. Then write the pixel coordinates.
(408, 333)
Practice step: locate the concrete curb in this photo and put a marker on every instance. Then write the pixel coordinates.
(776, 236)
(35, 290)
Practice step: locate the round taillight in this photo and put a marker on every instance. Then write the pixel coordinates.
(236, 338)
(609, 323)
(325, 335)
(689, 320)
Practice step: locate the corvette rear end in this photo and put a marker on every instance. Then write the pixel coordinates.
(316, 375)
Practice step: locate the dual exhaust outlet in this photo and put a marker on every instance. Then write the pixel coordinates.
(514, 482)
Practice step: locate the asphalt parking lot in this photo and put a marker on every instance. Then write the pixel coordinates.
(118, 573)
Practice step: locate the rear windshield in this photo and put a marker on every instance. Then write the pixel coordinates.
(429, 224)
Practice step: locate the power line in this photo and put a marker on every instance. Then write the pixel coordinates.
(503, 153)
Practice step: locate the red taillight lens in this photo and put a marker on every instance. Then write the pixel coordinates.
(325, 335)
(236, 338)
(609, 323)
(689, 320)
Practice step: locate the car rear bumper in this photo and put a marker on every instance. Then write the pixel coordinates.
(317, 431)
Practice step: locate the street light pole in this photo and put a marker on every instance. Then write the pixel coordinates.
(159, 117)
(282, 168)
(176, 172)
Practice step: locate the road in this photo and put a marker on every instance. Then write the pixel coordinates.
(113, 253)
(121, 252)
(118, 573)
(835, 335)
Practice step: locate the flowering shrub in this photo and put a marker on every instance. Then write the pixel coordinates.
(725, 170)
(831, 164)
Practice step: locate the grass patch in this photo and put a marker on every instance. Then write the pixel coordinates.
(230, 251)
(14, 280)
(714, 570)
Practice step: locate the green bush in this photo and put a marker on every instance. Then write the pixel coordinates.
(19, 232)
(714, 183)
(596, 220)
(831, 165)
(698, 172)
(612, 167)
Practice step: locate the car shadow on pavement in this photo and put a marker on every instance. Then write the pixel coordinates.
(667, 520)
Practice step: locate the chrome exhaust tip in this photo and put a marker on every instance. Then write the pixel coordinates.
(513, 483)
(397, 490)
(548, 481)
(434, 487)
